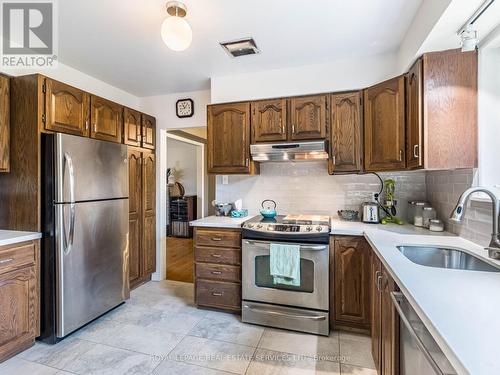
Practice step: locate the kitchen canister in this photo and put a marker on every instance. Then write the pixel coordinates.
(428, 214)
(436, 225)
(415, 209)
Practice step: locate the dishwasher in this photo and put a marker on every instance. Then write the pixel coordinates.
(419, 354)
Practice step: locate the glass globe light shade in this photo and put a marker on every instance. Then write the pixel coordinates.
(176, 33)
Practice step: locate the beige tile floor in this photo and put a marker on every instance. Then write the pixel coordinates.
(160, 331)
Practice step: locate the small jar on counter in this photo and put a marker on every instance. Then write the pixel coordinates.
(418, 220)
(436, 225)
(428, 214)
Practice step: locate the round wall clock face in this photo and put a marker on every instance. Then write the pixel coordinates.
(185, 108)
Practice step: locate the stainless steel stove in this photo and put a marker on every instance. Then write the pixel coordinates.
(302, 307)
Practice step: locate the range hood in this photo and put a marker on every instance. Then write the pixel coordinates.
(296, 151)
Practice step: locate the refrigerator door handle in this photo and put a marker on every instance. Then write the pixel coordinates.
(69, 162)
(68, 243)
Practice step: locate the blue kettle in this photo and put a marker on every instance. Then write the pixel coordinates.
(268, 211)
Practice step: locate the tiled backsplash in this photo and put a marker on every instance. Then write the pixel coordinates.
(307, 187)
(443, 190)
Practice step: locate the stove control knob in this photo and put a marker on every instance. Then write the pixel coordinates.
(269, 227)
(308, 228)
(318, 228)
(249, 225)
(259, 226)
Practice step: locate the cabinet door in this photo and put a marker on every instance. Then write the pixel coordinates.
(229, 138)
(18, 310)
(384, 111)
(390, 328)
(149, 213)
(148, 132)
(308, 117)
(269, 121)
(135, 215)
(131, 127)
(376, 321)
(4, 124)
(107, 120)
(345, 135)
(414, 117)
(67, 109)
(352, 282)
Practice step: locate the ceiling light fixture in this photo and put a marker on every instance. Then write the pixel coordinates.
(175, 30)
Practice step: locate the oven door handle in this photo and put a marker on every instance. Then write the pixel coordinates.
(278, 313)
(302, 247)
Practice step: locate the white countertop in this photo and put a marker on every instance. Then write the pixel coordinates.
(9, 237)
(458, 307)
(220, 222)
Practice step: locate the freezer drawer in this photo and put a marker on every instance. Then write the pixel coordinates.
(91, 261)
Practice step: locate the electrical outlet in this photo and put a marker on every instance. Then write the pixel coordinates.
(225, 179)
(374, 197)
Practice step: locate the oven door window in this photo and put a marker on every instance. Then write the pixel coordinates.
(264, 279)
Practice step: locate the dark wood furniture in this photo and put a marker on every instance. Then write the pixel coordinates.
(228, 136)
(384, 126)
(384, 321)
(4, 124)
(181, 210)
(142, 215)
(20, 296)
(346, 133)
(217, 262)
(350, 301)
(442, 111)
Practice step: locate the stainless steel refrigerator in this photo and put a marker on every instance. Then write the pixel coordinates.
(85, 232)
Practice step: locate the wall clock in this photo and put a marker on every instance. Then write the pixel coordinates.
(184, 108)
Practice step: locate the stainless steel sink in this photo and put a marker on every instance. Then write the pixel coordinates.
(441, 257)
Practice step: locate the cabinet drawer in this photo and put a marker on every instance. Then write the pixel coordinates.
(217, 255)
(219, 238)
(218, 272)
(15, 256)
(218, 294)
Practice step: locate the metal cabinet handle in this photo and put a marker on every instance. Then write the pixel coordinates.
(333, 159)
(293, 128)
(217, 294)
(283, 128)
(279, 313)
(216, 239)
(400, 155)
(95, 127)
(216, 255)
(216, 273)
(396, 299)
(416, 151)
(87, 125)
(8, 260)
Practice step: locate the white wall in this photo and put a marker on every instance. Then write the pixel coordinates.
(182, 157)
(340, 75)
(163, 108)
(73, 77)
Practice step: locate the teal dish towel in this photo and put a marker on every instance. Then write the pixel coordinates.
(285, 264)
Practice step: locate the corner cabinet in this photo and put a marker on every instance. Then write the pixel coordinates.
(384, 120)
(228, 135)
(142, 216)
(350, 284)
(20, 296)
(346, 137)
(4, 124)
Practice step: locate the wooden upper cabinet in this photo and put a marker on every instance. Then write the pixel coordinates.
(414, 117)
(269, 121)
(149, 212)
(308, 117)
(352, 282)
(148, 132)
(106, 117)
(4, 124)
(346, 132)
(131, 127)
(229, 139)
(67, 109)
(384, 114)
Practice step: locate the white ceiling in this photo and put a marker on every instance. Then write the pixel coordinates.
(118, 41)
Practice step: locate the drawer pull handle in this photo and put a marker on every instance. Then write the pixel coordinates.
(216, 239)
(217, 294)
(5, 261)
(216, 273)
(216, 255)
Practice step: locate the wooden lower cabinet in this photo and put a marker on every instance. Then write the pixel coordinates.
(350, 305)
(384, 321)
(142, 216)
(19, 296)
(217, 265)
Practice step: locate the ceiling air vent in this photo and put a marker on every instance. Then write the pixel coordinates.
(241, 47)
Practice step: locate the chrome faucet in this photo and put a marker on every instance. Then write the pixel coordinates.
(458, 212)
